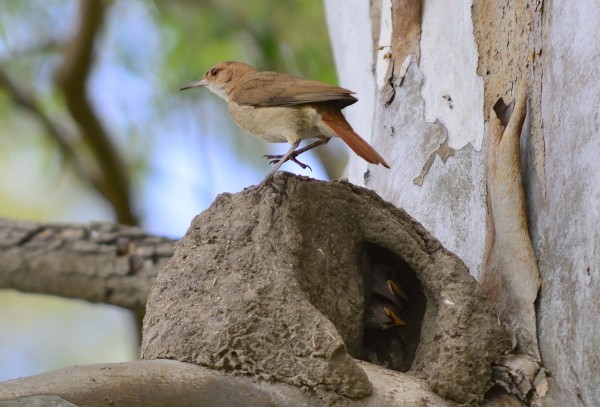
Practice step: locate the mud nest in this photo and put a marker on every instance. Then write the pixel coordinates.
(294, 281)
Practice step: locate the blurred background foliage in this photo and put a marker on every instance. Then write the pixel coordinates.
(93, 127)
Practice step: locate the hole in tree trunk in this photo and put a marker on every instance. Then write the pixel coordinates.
(395, 306)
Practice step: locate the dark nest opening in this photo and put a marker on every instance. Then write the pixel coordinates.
(395, 306)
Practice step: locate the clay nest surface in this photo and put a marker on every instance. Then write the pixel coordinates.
(294, 281)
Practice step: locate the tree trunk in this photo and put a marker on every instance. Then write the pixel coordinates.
(432, 96)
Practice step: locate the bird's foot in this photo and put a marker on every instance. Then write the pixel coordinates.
(275, 158)
(301, 164)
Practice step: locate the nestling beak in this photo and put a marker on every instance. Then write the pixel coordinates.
(195, 84)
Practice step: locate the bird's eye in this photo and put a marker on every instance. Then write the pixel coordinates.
(214, 71)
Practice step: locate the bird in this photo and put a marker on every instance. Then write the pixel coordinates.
(278, 108)
(382, 316)
(382, 312)
(386, 340)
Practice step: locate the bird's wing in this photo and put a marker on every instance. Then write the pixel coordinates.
(276, 89)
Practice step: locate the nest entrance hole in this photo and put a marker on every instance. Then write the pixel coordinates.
(395, 306)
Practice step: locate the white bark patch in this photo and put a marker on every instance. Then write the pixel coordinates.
(452, 90)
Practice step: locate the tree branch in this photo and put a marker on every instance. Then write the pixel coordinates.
(102, 262)
(104, 169)
(73, 77)
(151, 383)
(65, 141)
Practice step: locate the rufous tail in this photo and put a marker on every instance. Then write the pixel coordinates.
(337, 122)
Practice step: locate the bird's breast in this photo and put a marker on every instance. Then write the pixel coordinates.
(280, 124)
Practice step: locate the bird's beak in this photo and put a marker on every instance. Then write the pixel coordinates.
(194, 84)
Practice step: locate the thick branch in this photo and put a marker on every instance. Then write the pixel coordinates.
(172, 383)
(102, 262)
(74, 75)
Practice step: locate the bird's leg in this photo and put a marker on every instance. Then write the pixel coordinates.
(276, 158)
(283, 159)
(317, 143)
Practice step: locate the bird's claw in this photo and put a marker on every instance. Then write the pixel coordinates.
(301, 164)
(274, 159)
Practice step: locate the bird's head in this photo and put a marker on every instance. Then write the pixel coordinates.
(221, 78)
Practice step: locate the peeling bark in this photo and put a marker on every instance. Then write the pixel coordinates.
(443, 151)
(406, 34)
(404, 48)
(509, 36)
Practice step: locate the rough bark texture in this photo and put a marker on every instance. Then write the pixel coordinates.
(273, 282)
(406, 34)
(510, 37)
(102, 262)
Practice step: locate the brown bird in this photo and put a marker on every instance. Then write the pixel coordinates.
(385, 303)
(279, 108)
